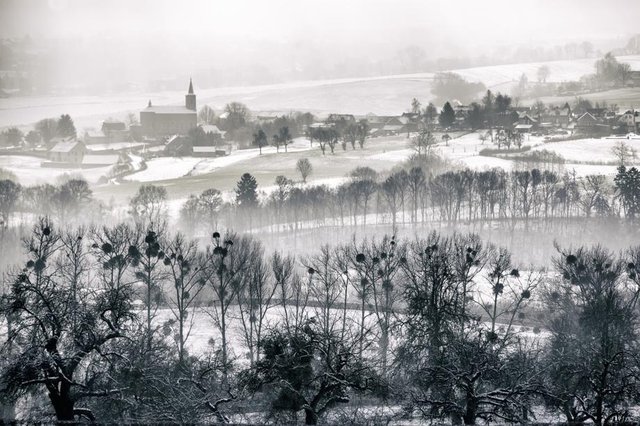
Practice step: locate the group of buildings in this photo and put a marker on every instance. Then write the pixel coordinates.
(588, 121)
(171, 127)
(166, 126)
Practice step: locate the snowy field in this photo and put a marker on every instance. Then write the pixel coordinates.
(559, 71)
(584, 156)
(166, 168)
(589, 150)
(29, 172)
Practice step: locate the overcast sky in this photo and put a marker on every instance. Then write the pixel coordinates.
(464, 21)
(152, 37)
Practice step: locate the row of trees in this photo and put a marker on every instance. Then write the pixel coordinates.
(404, 196)
(44, 131)
(68, 200)
(412, 196)
(493, 110)
(101, 323)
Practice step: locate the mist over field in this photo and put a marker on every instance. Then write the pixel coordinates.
(343, 212)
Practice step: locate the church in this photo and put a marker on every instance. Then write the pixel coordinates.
(159, 121)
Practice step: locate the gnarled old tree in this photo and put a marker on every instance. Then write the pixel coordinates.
(66, 321)
(463, 368)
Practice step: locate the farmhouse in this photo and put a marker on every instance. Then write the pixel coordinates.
(113, 126)
(68, 151)
(587, 123)
(630, 119)
(159, 121)
(178, 145)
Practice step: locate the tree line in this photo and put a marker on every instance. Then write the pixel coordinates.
(101, 323)
(406, 196)
(411, 196)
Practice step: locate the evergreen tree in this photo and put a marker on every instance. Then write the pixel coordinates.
(627, 183)
(65, 127)
(447, 115)
(246, 191)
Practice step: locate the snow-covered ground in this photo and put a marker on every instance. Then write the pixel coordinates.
(559, 71)
(28, 170)
(165, 168)
(396, 155)
(589, 150)
(584, 156)
(114, 146)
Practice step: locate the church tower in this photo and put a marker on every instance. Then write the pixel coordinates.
(190, 98)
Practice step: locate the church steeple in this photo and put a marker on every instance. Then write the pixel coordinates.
(190, 98)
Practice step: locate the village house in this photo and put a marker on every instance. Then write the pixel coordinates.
(178, 145)
(111, 126)
(629, 120)
(67, 151)
(588, 124)
(526, 123)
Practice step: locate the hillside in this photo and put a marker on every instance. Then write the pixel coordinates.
(379, 95)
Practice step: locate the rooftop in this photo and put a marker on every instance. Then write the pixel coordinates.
(169, 109)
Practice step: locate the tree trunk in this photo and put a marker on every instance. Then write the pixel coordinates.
(472, 408)
(310, 417)
(62, 404)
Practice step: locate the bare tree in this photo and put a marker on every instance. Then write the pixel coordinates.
(225, 263)
(207, 115)
(186, 271)
(304, 167)
(148, 206)
(255, 299)
(623, 153)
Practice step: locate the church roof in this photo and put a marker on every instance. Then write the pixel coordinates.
(169, 109)
(190, 87)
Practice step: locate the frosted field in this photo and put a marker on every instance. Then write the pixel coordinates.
(29, 172)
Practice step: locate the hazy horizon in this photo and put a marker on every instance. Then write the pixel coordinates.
(117, 43)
